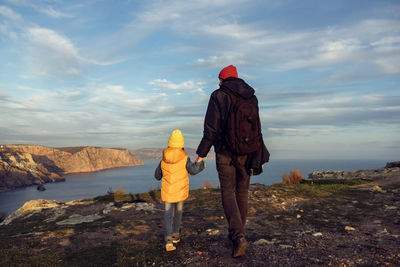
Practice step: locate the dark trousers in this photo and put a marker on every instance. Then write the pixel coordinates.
(234, 182)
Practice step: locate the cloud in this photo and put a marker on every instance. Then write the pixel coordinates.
(50, 11)
(42, 7)
(371, 42)
(3, 97)
(186, 86)
(223, 60)
(9, 13)
(337, 112)
(52, 54)
(297, 131)
(118, 96)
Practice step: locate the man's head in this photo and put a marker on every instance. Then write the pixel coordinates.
(227, 72)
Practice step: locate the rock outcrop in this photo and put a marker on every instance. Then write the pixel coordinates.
(20, 169)
(391, 169)
(22, 165)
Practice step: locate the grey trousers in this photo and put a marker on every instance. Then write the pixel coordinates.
(172, 218)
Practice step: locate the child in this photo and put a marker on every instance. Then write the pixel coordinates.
(174, 169)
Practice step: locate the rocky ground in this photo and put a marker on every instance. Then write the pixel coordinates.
(328, 223)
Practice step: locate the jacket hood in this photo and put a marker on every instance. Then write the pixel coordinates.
(172, 155)
(238, 86)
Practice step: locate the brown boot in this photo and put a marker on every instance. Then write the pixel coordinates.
(239, 247)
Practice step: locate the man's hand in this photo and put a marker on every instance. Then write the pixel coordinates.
(199, 159)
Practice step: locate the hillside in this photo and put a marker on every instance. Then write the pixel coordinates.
(326, 222)
(22, 165)
(156, 153)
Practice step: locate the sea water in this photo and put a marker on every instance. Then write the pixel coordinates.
(140, 179)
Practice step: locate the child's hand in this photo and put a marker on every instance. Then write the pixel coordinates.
(199, 159)
(202, 164)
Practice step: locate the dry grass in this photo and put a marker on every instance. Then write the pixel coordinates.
(119, 192)
(294, 177)
(207, 185)
(119, 195)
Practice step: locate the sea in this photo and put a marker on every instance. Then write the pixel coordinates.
(140, 179)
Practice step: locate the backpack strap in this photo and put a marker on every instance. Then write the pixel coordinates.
(231, 94)
(234, 158)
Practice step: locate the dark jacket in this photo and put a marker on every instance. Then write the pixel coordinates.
(217, 112)
(256, 160)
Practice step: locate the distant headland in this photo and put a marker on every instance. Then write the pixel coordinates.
(22, 165)
(156, 153)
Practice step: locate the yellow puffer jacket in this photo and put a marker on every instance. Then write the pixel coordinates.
(175, 177)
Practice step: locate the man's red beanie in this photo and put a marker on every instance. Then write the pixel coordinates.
(229, 71)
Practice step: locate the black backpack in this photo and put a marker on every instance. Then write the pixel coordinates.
(242, 134)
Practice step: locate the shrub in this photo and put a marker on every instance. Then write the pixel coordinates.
(207, 185)
(119, 195)
(119, 192)
(294, 177)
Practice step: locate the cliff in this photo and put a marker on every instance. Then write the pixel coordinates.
(345, 223)
(29, 164)
(20, 169)
(156, 153)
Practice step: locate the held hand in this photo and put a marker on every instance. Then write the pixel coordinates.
(199, 159)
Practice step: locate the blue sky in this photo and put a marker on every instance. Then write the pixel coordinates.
(127, 73)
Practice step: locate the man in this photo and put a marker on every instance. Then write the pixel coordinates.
(233, 175)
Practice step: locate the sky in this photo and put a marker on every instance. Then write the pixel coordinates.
(127, 73)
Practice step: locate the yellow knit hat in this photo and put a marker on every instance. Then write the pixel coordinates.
(176, 139)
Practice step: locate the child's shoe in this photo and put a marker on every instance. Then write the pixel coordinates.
(176, 238)
(169, 245)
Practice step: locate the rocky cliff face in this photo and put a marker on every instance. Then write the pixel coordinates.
(27, 164)
(156, 153)
(19, 169)
(391, 169)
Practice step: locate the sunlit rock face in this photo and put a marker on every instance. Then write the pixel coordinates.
(22, 165)
(18, 168)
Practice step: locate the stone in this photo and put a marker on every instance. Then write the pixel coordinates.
(323, 175)
(108, 208)
(383, 232)
(77, 219)
(41, 187)
(285, 246)
(377, 188)
(263, 241)
(317, 234)
(30, 208)
(213, 232)
(395, 164)
(128, 206)
(144, 206)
